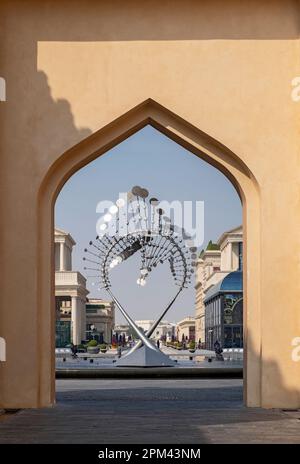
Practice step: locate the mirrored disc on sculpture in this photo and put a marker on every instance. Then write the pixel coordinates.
(144, 193)
(136, 190)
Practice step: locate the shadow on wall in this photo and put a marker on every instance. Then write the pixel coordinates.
(272, 387)
(54, 119)
(45, 127)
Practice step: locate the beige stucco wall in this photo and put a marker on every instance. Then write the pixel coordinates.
(71, 68)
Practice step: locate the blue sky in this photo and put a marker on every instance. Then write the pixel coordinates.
(169, 172)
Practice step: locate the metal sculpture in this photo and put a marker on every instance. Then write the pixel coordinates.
(150, 232)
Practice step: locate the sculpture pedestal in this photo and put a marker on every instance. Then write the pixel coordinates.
(145, 357)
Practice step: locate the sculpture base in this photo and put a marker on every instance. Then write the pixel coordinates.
(145, 357)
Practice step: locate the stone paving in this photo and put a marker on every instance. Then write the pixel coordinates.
(149, 411)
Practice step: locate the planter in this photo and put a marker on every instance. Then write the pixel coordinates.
(103, 350)
(192, 351)
(93, 349)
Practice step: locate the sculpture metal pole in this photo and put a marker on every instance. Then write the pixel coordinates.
(154, 325)
(131, 322)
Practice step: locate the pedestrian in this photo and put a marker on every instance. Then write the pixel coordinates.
(158, 344)
(119, 351)
(218, 351)
(74, 351)
(217, 347)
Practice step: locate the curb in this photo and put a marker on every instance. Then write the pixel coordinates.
(151, 373)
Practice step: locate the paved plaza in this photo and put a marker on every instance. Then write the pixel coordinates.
(150, 411)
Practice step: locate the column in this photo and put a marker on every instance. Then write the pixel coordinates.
(83, 319)
(62, 261)
(107, 331)
(76, 320)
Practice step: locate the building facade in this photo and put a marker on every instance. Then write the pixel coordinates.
(77, 318)
(185, 329)
(164, 331)
(208, 264)
(70, 293)
(100, 320)
(215, 263)
(122, 330)
(224, 312)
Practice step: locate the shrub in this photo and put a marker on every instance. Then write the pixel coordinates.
(212, 246)
(103, 346)
(192, 345)
(93, 343)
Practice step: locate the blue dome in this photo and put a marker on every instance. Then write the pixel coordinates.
(232, 283)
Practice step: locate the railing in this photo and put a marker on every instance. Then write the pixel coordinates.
(69, 278)
(233, 354)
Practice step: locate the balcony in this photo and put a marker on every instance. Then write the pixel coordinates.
(69, 278)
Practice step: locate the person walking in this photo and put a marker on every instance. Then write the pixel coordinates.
(218, 351)
(119, 351)
(74, 351)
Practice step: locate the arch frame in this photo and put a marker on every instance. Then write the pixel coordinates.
(200, 144)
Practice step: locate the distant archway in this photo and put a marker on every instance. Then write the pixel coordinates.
(206, 148)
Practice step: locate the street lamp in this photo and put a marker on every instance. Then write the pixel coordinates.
(93, 329)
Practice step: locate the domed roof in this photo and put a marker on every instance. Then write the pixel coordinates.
(233, 282)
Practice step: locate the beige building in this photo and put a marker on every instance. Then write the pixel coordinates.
(164, 329)
(70, 291)
(214, 263)
(77, 317)
(226, 90)
(185, 329)
(100, 319)
(122, 330)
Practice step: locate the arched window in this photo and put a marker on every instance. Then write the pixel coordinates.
(237, 312)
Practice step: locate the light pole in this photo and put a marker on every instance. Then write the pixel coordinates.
(93, 329)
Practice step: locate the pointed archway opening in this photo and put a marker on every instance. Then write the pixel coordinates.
(203, 146)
